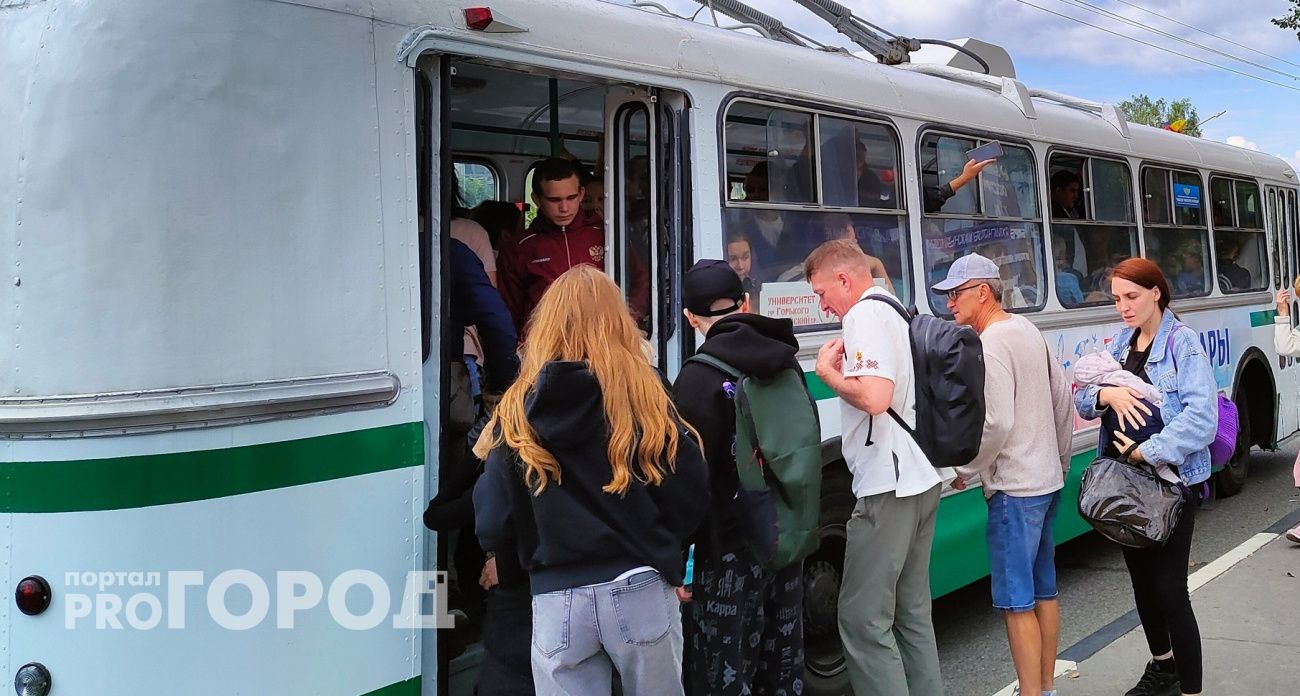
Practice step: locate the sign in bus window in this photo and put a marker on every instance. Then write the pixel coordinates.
(1187, 199)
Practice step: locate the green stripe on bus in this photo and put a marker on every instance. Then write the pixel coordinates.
(410, 687)
(817, 387)
(1263, 317)
(164, 479)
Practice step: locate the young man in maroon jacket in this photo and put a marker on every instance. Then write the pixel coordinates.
(562, 236)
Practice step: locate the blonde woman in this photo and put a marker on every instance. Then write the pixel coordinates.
(592, 472)
(1287, 342)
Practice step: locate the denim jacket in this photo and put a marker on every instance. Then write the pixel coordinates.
(1190, 409)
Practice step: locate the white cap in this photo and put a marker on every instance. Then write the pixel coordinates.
(968, 267)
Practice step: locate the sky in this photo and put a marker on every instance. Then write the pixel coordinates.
(1052, 52)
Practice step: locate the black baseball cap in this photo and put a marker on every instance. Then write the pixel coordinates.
(708, 281)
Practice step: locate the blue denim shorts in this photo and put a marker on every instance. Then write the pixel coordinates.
(1022, 550)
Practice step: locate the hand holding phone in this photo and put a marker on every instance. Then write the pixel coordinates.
(987, 151)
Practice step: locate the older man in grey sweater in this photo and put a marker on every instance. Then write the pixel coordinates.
(1023, 461)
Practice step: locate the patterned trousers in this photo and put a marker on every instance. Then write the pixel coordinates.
(744, 629)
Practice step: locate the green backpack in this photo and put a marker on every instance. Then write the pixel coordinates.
(778, 451)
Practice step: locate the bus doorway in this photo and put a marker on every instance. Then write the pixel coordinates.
(500, 121)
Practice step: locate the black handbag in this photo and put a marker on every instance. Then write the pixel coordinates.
(1128, 503)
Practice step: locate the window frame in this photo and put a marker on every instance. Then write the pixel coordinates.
(1146, 227)
(1134, 224)
(980, 137)
(902, 214)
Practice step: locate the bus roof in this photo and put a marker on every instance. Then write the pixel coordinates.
(622, 37)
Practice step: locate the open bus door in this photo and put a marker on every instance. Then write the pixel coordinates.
(647, 229)
(1281, 220)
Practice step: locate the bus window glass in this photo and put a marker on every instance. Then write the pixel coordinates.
(856, 166)
(1181, 254)
(1066, 188)
(1249, 215)
(1188, 199)
(769, 152)
(1016, 248)
(1112, 191)
(942, 159)
(1086, 248)
(859, 165)
(1008, 185)
(1221, 201)
(478, 183)
(1275, 217)
(1242, 260)
(1155, 196)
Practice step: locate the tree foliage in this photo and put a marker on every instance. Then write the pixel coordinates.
(1291, 20)
(1162, 113)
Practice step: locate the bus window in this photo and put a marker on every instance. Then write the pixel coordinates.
(1091, 231)
(1155, 196)
(1240, 245)
(769, 151)
(859, 165)
(1181, 249)
(856, 195)
(1001, 222)
(478, 183)
(942, 159)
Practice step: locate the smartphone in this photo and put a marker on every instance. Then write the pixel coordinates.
(987, 151)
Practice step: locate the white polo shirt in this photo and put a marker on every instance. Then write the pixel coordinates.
(876, 345)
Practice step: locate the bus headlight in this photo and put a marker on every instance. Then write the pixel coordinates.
(32, 680)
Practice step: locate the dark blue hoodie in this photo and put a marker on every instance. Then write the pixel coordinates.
(575, 534)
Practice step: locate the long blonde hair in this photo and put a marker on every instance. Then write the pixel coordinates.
(583, 317)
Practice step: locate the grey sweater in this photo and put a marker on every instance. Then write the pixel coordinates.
(1028, 421)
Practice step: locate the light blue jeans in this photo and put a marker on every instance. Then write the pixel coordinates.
(632, 625)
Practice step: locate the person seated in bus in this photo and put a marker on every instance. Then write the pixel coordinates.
(1190, 279)
(503, 220)
(562, 237)
(1066, 185)
(936, 195)
(607, 543)
(740, 256)
(1231, 276)
(1068, 279)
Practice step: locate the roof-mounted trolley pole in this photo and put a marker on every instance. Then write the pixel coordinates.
(890, 51)
(741, 12)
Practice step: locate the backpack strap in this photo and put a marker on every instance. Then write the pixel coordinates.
(715, 363)
(907, 316)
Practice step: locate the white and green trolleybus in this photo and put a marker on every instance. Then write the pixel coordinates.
(223, 301)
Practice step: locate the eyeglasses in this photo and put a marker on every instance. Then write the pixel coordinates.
(955, 293)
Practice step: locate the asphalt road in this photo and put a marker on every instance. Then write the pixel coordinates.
(1093, 583)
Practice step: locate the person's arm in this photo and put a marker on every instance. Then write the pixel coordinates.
(1285, 339)
(701, 402)
(683, 496)
(1194, 428)
(936, 196)
(872, 349)
(492, 518)
(484, 309)
(999, 413)
(1062, 411)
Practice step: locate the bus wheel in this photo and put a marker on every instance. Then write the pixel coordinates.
(1232, 477)
(824, 670)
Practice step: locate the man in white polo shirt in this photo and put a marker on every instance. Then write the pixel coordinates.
(884, 609)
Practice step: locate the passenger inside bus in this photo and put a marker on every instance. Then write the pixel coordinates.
(1066, 203)
(740, 256)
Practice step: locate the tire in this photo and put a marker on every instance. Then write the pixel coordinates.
(1232, 477)
(824, 670)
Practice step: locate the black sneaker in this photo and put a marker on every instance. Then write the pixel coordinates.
(1156, 682)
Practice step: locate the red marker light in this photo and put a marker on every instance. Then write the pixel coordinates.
(478, 18)
(33, 595)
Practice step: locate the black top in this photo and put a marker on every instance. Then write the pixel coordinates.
(574, 533)
(1136, 362)
(756, 345)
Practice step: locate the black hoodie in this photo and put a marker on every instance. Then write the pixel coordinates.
(575, 534)
(757, 346)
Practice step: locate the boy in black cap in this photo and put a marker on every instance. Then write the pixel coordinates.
(744, 629)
